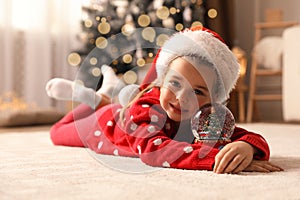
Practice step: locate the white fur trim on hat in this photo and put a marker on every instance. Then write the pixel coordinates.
(202, 45)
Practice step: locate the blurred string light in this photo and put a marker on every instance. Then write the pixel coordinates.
(196, 23)
(74, 59)
(127, 58)
(163, 12)
(88, 23)
(10, 102)
(161, 39)
(141, 62)
(144, 20)
(149, 34)
(179, 27)
(96, 71)
(93, 61)
(104, 27)
(130, 77)
(101, 42)
(173, 10)
(212, 13)
(150, 55)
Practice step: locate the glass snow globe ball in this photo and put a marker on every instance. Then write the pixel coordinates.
(213, 122)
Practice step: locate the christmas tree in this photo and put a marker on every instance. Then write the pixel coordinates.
(124, 34)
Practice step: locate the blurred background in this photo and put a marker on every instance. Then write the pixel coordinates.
(43, 39)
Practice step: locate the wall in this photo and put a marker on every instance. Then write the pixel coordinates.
(247, 13)
(290, 8)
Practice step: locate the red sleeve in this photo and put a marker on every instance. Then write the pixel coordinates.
(255, 140)
(147, 135)
(66, 131)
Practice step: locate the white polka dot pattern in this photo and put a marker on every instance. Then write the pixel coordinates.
(139, 149)
(151, 129)
(100, 144)
(109, 123)
(154, 118)
(188, 149)
(97, 133)
(116, 152)
(133, 126)
(145, 106)
(157, 142)
(166, 164)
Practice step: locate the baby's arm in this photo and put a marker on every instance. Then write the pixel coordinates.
(244, 154)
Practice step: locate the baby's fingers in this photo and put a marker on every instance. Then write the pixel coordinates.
(222, 160)
(271, 167)
(262, 166)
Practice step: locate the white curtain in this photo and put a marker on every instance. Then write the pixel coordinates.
(36, 37)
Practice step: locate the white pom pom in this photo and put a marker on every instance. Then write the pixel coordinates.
(128, 93)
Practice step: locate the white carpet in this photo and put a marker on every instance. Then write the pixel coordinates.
(32, 168)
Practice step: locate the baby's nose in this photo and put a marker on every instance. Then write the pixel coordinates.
(182, 96)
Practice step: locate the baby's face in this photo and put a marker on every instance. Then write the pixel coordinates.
(183, 91)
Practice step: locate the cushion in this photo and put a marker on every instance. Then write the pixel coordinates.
(26, 117)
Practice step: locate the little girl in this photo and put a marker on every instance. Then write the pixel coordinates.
(192, 69)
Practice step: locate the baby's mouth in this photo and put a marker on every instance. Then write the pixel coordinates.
(178, 109)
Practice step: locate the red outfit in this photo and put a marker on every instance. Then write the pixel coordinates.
(145, 132)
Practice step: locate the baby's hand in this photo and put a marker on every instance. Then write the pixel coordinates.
(234, 158)
(262, 166)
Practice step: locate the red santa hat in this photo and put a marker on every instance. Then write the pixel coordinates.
(198, 44)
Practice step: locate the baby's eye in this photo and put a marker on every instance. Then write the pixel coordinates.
(198, 92)
(175, 84)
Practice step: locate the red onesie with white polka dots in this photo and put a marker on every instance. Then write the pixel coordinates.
(145, 132)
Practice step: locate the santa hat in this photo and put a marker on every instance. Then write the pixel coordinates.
(197, 45)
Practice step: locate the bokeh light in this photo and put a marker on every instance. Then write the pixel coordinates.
(144, 20)
(162, 13)
(93, 61)
(212, 13)
(96, 72)
(74, 59)
(130, 77)
(104, 27)
(101, 42)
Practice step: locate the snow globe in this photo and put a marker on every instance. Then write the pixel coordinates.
(213, 123)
